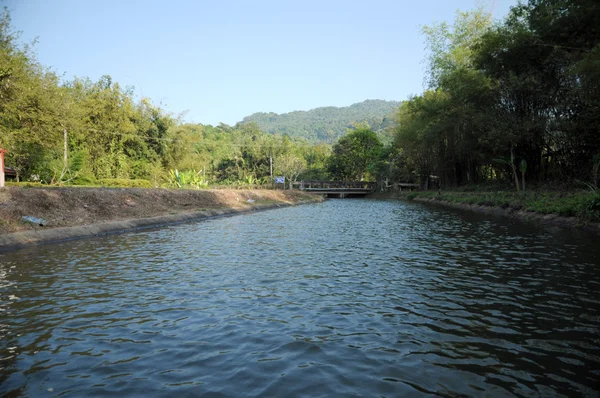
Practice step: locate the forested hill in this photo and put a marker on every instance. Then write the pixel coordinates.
(327, 124)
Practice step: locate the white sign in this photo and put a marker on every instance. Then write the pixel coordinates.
(279, 180)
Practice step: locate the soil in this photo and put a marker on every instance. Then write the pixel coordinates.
(67, 207)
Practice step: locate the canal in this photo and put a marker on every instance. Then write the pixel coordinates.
(348, 297)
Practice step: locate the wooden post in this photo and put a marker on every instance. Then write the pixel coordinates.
(2, 152)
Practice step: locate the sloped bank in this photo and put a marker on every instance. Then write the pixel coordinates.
(72, 213)
(552, 208)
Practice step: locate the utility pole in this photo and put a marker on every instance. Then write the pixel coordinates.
(271, 164)
(65, 149)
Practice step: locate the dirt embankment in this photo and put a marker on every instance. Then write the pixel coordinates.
(95, 211)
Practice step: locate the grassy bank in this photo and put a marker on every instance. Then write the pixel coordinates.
(583, 205)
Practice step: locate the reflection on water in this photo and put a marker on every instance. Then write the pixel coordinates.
(348, 297)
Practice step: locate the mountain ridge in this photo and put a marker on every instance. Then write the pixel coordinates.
(328, 123)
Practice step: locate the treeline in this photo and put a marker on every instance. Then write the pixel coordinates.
(517, 101)
(85, 132)
(328, 124)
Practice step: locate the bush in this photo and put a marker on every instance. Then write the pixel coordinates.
(25, 184)
(186, 179)
(411, 196)
(124, 183)
(84, 180)
(593, 202)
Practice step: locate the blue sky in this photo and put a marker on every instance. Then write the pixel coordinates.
(219, 61)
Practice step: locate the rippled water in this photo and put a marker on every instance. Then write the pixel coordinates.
(348, 297)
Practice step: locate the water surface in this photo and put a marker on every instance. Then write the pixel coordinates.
(347, 297)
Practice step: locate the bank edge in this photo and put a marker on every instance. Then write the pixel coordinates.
(24, 239)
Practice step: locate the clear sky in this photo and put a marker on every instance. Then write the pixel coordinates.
(221, 60)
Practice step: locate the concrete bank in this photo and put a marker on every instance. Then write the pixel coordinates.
(76, 212)
(549, 219)
(23, 239)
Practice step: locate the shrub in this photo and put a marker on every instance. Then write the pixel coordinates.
(84, 180)
(124, 183)
(593, 202)
(186, 179)
(25, 184)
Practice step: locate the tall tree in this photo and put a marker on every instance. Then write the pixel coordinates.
(354, 153)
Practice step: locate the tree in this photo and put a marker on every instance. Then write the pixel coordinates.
(29, 99)
(354, 153)
(327, 124)
(451, 47)
(524, 92)
(316, 162)
(420, 128)
(290, 166)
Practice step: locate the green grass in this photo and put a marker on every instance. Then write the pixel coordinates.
(88, 183)
(125, 183)
(24, 184)
(585, 205)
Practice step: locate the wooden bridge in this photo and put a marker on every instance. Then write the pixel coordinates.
(337, 189)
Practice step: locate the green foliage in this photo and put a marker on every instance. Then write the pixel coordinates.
(354, 154)
(30, 102)
(290, 166)
(526, 91)
(24, 184)
(251, 180)
(317, 158)
(186, 179)
(111, 138)
(411, 195)
(328, 124)
(124, 183)
(84, 181)
(391, 167)
(592, 203)
(451, 48)
(523, 166)
(583, 205)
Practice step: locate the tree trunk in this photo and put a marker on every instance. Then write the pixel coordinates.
(514, 167)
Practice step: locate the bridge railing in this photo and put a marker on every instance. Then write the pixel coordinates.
(322, 184)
